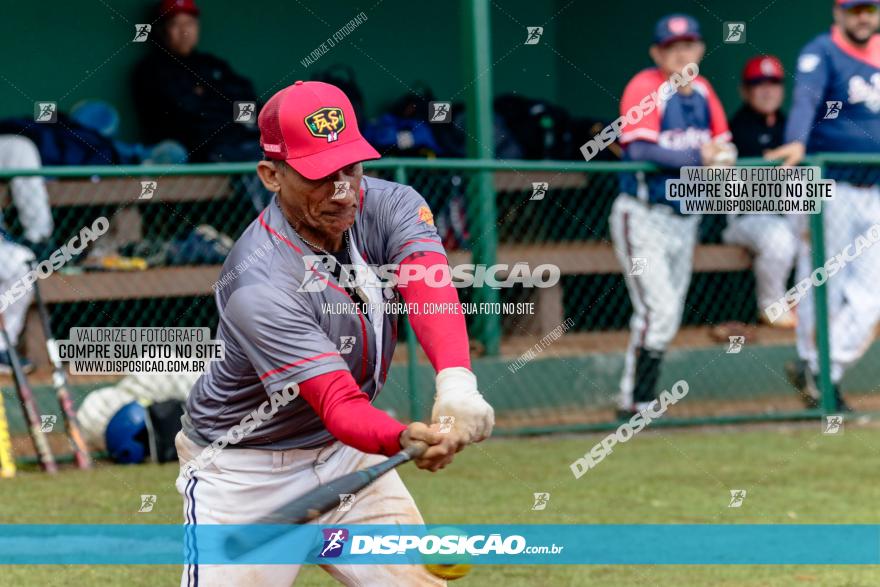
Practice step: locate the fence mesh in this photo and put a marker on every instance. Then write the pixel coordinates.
(558, 365)
(851, 266)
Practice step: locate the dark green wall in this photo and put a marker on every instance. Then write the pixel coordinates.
(608, 41)
(67, 51)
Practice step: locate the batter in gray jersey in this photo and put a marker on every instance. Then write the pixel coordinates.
(313, 249)
(276, 334)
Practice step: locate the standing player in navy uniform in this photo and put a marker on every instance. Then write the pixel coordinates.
(654, 242)
(280, 332)
(837, 109)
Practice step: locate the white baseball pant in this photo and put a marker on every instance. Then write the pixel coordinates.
(243, 485)
(14, 266)
(32, 202)
(774, 244)
(665, 240)
(853, 302)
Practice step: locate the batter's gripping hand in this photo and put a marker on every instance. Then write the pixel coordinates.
(442, 446)
(458, 403)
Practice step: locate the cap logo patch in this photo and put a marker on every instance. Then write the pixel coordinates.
(326, 123)
(767, 67)
(678, 25)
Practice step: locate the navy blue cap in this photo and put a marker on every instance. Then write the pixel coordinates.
(676, 27)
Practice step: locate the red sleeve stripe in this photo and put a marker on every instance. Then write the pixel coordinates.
(278, 234)
(294, 364)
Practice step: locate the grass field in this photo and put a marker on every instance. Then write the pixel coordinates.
(793, 474)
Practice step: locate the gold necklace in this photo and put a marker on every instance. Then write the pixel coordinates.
(345, 241)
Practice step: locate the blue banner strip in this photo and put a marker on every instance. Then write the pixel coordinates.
(696, 544)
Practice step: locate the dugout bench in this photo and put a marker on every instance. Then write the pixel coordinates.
(126, 226)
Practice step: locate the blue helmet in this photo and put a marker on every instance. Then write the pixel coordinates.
(126, 436)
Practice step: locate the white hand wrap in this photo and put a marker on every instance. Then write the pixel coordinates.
(457, 396)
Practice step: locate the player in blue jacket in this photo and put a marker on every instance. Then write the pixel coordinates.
(837, 109)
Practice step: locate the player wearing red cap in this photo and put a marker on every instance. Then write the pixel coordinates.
(757, 127)
(326, 222)
(185, 94)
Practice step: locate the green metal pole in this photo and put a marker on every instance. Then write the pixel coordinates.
(481, 140)
(823, 339)
(412, 359)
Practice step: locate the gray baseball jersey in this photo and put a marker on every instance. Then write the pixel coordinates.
(275, 333)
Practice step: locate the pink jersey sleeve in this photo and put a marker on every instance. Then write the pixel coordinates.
(639, 88)
(443, 335)
(349, 416)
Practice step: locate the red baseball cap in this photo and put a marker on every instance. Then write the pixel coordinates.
(762, 69)
(311, 125)
(169, 8)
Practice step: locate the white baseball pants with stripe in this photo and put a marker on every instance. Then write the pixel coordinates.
(242, 485)
(655, 247)
(853, 300)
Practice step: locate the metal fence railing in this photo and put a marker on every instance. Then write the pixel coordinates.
(485, 210)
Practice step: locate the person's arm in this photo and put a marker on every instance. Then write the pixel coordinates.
(349, 416)
(280, 335)
(442, 335)
(408, 229)
(809, 91)
(654, 153)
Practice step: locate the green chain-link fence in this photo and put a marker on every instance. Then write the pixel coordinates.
(538, 212)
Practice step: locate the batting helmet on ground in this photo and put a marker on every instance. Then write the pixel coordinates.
(126, 438)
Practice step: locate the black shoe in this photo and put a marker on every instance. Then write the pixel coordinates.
(624, 414)
(6, 364)
(840, 405)
(801, 379)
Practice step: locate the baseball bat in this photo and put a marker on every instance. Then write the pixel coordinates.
(7, 458)
(319, 500)
(59, 382)
(29, 405)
